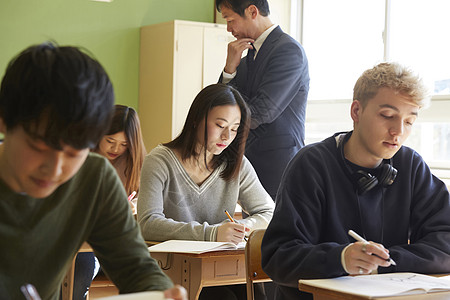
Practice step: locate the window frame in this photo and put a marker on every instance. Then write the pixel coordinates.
(337, 110)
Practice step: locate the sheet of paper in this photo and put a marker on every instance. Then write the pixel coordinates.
(153, 295)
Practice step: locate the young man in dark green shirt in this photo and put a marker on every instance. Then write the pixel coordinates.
(55, 104)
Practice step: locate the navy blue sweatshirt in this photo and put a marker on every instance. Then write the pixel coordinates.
(318, 202)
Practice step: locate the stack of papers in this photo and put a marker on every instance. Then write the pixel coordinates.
(195, 247)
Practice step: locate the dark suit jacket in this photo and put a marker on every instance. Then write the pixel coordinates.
(276, 92)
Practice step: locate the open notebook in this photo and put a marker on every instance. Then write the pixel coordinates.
(195, 247)
(382, 285)
(154, 295)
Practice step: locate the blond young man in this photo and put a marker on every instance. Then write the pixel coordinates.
(366, 181)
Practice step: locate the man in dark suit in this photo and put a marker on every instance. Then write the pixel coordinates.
(274, 80)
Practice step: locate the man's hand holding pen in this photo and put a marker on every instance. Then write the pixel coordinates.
(365, 257)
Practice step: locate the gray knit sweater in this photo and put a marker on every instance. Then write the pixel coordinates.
(172, 206)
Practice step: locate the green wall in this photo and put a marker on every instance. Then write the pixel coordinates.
(110, 31)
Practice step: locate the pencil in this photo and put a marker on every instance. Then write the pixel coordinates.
(234, 221)
(132, 196)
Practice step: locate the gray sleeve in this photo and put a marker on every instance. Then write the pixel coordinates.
(253, 198)
(156, 177)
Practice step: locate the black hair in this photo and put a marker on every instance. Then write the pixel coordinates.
(211, 96)
(57, 94)
(239, 6)
(126, 119)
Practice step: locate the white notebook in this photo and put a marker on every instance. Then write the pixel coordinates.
(382, 285)
(153, 295)
(195, 247)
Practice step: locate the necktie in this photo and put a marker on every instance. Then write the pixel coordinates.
(250, 65)
(251, 54)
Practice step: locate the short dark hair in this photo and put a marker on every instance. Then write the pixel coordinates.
(58, 94)
(211, 96)
(239, 6)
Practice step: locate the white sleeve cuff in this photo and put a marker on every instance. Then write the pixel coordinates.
(226, 77)
(343, 258)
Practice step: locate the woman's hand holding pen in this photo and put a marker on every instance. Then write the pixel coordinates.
(231, 232)
(132, 201)
(365, 257)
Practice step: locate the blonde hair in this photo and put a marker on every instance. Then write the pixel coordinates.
(394, 76)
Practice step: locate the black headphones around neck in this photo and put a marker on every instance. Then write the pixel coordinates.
(364, 180)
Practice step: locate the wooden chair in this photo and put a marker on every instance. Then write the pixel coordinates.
(100, 281)
(254, 271)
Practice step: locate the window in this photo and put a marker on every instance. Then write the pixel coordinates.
(418, 36)
(341, 38)
(344, 38)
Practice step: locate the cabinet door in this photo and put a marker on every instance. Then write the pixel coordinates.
(188, 67)
(216, 41)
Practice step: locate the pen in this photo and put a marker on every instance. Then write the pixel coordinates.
(361, 239)
(132, 196)
(29, 291)
(234, 221)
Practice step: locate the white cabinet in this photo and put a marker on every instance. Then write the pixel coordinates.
(177, 60)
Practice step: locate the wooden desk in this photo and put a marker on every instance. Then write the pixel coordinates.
(195, 271)
(67, 286)
(192, 271)
(325, 294)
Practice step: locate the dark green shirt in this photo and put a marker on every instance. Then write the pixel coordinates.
(40, 237)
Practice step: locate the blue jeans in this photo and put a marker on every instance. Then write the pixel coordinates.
(86, 268)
